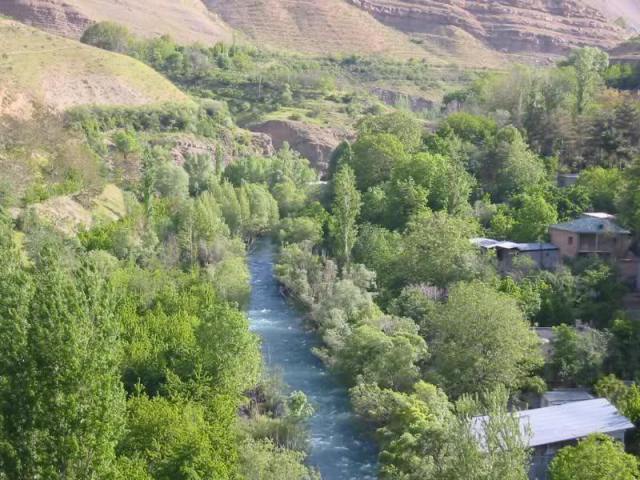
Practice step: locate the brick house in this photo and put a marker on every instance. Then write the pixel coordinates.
(591, 234)
(598, 234)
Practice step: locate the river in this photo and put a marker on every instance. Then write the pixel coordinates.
(338, 449)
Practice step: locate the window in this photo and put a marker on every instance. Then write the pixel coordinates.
(570, 240)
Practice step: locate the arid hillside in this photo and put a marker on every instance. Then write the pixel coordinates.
(310, 26)
(60, 73)
(623, 12)
(511, 26)
(185, 20)
(470, 33)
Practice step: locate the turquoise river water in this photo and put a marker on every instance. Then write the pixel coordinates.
(338, 449)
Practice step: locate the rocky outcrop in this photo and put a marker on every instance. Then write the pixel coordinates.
(229, 147)
(395, 98)
(53, 16)
(313, 142)
(514, 26)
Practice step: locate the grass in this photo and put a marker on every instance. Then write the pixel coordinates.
(63, 73)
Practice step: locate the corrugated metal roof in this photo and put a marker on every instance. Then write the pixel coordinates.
(566, 395)
(566, 422)
(521, 247)
(589, 224)
(601, 215)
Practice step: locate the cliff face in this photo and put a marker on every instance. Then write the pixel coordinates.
(513, 26)
(312, 142)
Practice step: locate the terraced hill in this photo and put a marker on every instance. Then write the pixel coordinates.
(185, 20)
(39, 67)
(512, 26)
(311, 26)
(472, 33)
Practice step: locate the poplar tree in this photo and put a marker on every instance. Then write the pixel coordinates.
(345, 210)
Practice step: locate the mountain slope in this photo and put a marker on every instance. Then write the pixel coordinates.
(626, 10)
(185, 20)
(318, 27)
(62, 73)
(514, 26)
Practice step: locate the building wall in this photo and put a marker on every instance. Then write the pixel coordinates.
(567, 242)
(571, 244)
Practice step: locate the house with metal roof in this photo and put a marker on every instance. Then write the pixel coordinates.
(591, 234)
(544, 255)
(597, 233)
(549, 429)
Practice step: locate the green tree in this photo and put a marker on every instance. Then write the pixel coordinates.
(471, 128)
(61, 398)
(590, 65)
(262, 460)
(603, 186)
(577, 357)
(300, 229)
(171, 180)
(386, 359)
(446, 181)
(599, 457)
(629, 201)
(108, 36)
(436, 250)
(516, 166)
(402, 125)
(625, 398)
(178, 441)
(374, 157)
(291, 199)
(200, 171)
(481, 340)
(345, 211)
(532, 216)
(127, 143)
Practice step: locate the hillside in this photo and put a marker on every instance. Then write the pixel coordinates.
(330, 26)
(62, 73)
(470, 33)
(625, 11)
(512, 26)
(185, 20)
(466, 32)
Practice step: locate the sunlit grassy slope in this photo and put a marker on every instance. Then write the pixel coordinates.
(62, 73)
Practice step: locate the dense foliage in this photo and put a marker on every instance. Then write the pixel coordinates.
(124, 350)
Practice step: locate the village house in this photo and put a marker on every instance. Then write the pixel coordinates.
(551, 428)
(591, 234)
(598, 234)
(544, 255)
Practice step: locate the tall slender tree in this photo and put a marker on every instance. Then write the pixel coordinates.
(346, 209)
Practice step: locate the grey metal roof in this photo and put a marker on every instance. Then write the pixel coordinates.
(566, 422)
(489, 243)
(590, 224)
(566, 395)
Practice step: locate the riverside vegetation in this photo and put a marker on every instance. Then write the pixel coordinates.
(125, 353)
